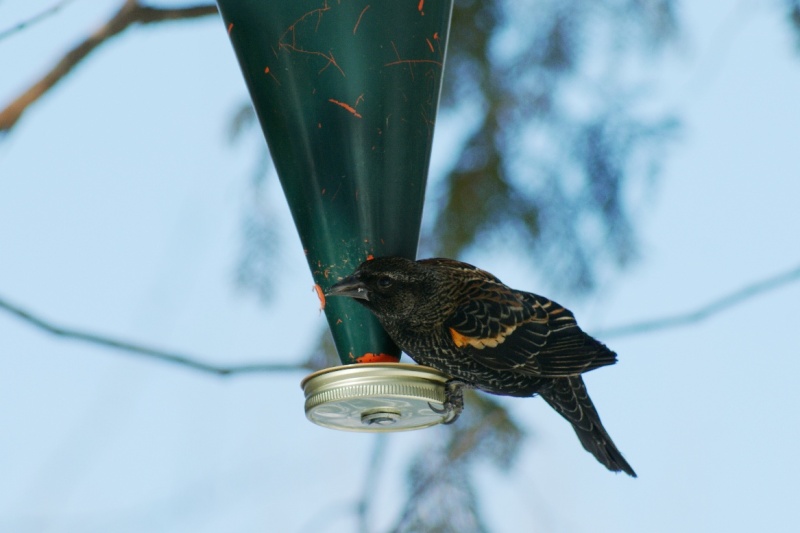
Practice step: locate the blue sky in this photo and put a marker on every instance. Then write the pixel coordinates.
(120, 212)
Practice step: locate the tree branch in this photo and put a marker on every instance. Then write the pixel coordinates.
(721, 304)
(52, 10)
(714, 307)
(154, 353)
(129, 14)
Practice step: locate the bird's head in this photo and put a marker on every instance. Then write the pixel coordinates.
(391, 287)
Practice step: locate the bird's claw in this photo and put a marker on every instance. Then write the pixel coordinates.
(453, 401)
(450, 412)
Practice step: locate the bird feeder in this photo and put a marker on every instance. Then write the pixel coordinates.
(346, 92)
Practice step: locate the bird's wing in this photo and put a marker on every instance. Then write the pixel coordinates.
(517, 331)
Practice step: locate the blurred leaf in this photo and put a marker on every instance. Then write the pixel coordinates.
(257, 261)
(485, 430)
(449, 504)
(442, 497)
(242, 120)
(261, 235)
(324, 355)
(794, 19)
(540, 169)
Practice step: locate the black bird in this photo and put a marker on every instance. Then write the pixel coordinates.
(466, 323)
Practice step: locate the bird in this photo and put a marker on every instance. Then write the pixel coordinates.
(464, 322)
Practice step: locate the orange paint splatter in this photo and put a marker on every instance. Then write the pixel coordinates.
(436, 36)
(377, 358)
(420, 6)
(320, 295)
(430, 45)
(348, 107)
(268, 71)
(359, 19)
(370, 257)
(230, 28)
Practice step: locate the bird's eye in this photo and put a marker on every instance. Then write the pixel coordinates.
(384, 282)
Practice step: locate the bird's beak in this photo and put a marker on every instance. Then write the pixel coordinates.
(349, 286)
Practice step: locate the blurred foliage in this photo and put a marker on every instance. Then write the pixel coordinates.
(556, 138)
(257, 256)
(325, 356)
(261, 229)
(794, 19)
(443, 498)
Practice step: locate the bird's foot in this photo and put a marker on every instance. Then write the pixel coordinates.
(453, 401)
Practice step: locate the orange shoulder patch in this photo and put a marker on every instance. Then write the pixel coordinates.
(480, 343)
(459, 339)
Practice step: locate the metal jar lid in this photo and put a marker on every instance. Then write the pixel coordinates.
(375, 397)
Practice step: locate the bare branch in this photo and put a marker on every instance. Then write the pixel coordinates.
(721, 304)
(129, 14)
(161, 355)
(148, 15)
(716, 306)
(52, 10)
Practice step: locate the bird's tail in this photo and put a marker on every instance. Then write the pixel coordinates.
(568, 396)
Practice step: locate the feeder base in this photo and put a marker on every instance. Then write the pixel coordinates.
(375, 397)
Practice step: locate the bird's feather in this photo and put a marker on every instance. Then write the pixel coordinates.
(569, 398)
(505, 329)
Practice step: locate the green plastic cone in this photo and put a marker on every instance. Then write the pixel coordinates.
(346, 93)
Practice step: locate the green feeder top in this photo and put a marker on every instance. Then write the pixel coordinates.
(346, 93)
